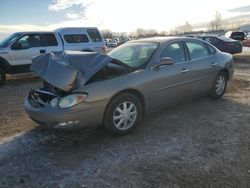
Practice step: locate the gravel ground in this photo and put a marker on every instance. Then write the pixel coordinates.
(201, 143)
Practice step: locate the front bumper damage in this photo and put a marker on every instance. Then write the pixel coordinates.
(39, 110)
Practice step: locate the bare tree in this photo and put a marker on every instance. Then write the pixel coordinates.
(140, 33)
(216, 24)
(107, 33)
(163, 33)
(173, 32)
(188, 27)
(182, 29)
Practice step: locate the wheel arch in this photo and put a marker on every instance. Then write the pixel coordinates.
(225, 71)
(134, 92)
(4, 64)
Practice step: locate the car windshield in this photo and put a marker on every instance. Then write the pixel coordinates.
(6, 42)
(135, 55)
(226, 39)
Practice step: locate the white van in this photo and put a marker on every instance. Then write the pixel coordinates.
(17, 50)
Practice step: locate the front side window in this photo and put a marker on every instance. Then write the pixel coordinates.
(27, 41)
(24, 42)
(174, 51)
(135, 55)
(94, 35)
(197, 50)
(76, 38)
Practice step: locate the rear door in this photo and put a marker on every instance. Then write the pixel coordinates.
(171, 83)
(51, 43)
(203, 65)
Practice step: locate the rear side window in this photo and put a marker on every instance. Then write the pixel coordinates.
(238, 35)
(76, 38)
(197, 50)
(94, 35)
(50, 40)
(211, 40)
(211, 49)
(174, 51)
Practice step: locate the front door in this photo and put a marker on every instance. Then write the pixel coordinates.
(22, 51)
(170, 83)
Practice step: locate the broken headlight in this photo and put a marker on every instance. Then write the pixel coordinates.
(71, 100)
(54, 102)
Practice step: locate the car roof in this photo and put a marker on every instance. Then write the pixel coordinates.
(210, 36)
(163, 40)
(74, 28)
(156, 39)
(34, 32)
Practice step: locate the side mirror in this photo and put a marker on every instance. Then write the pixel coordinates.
(16, 46)
(164, 61)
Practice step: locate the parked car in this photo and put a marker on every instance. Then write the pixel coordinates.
(246, 43)
(17, 50)
(117, 89)
(112, 43)
(224, 44)
(123, 39)
(248, 35)
(236, 35)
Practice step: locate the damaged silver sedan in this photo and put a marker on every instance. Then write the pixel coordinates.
(86, 89)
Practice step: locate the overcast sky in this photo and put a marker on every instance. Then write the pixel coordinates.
(116, 15)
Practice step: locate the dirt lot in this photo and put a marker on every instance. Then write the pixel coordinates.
(201, 143)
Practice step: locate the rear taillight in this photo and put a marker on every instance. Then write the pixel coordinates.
(104, 49)
(229, 44)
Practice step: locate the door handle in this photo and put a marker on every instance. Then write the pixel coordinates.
(184, 70)
(214, 64)
(42, 51)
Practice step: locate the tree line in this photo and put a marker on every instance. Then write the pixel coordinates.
(217, 24)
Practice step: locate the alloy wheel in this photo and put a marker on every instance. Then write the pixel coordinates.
(220, 85)
(125, 115)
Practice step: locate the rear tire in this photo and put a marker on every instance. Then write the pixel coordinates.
(220, 85)
(123, 113)
(2, 76)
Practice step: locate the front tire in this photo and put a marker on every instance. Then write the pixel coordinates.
(123, 113)
(2, 76)
(220, 85)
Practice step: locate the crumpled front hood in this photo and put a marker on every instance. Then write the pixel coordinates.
(67, 70)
